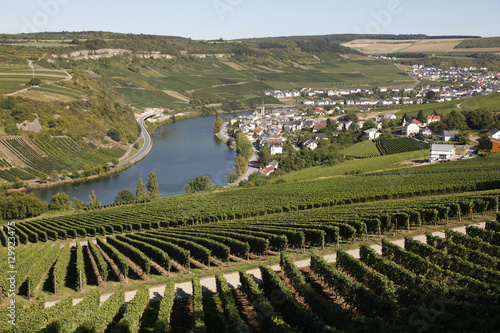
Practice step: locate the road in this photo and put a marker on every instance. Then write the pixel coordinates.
(146, 147)
(185, 289)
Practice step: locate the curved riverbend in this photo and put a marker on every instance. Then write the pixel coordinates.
(181, 151)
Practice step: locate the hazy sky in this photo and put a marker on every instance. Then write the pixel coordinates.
(230, 19)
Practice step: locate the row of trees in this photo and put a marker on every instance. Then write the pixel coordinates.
(142, 192)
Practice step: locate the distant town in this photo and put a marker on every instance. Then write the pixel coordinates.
(463, 82)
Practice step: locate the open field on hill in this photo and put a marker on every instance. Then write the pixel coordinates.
(374, 46)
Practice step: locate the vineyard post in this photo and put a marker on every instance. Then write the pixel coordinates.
(435, 220)
(366, 231)
(396, 226)
(423, 221)
(379, 231)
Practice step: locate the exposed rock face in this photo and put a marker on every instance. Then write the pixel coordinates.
(30, 126)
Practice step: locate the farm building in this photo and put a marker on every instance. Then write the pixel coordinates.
(441, 152)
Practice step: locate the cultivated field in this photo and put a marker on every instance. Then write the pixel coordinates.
(373, 46)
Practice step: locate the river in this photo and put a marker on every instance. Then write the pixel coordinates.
(181, 151)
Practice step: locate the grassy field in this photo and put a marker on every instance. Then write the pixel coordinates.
(362, 149)
(489, 102)
(388, 162)
(14, 78)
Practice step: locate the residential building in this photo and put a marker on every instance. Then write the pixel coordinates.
(270, 168)
(433, 119)
(309, 144)
(371, 134)
(449, 135)
(441, 152)
(411, 127)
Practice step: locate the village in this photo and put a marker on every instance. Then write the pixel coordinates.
(276, 128)
(463, 82)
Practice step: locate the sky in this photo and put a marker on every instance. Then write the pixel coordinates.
(233, 19)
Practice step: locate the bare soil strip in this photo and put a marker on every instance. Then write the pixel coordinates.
(123, 279)
(136, 269)
(100, 281)
(198, 264)
(234, 258)
(218, 262)
(160, 269)
(177, 95)
(247, 311)
(178, 267)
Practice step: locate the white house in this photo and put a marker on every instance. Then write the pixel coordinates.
(411, 127)
(270, 168)
(441, 152)
(310, 144)
(494, 134)
(276, 148)
(449, 135)
(433, 119)
(371, 134)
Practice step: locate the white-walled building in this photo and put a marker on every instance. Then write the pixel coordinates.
(441, 152)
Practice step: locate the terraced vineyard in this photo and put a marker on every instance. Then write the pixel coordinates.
(438, 286)
(26, 159)
(236, 204)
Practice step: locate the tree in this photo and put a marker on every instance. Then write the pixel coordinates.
(124, 196)
(421, 117)
(405, 118)
(218, 123)
(20, 205)
(35, 82)
(232, 177)
(75, 174)
(480, 119)
(140, 190)
(264, 156)
(244, 146)
(369, 124)
(59, 201)
(18, 183)
(152, 186)
(94, 203)
(240, 165)
(114, 134)
(455, 121)
(350, 116)
(462, 137)
(200, 183)
(54, 175)
(64, 173)
(431, 95)
(42, 177)
(77, 204)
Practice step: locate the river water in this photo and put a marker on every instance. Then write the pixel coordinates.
(181, 151)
